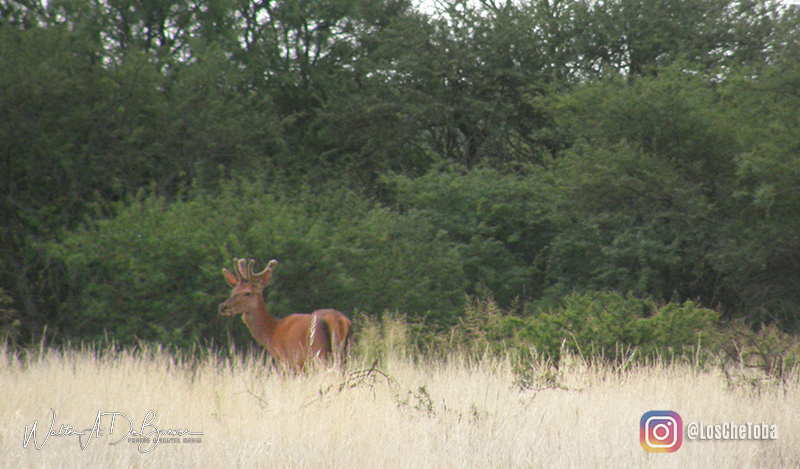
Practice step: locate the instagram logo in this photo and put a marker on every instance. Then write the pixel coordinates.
(661, 431)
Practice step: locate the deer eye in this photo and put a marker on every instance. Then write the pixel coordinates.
(247, 293)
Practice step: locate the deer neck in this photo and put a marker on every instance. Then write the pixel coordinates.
(261, 323)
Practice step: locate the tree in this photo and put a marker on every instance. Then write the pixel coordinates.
(760, 258)
(83, 126)
(638, 37)
(495, 221)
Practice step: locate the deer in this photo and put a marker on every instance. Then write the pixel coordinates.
(293, 341)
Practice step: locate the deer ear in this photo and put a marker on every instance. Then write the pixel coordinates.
(230, 278)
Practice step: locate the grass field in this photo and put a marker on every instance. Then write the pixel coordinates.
(405, 412)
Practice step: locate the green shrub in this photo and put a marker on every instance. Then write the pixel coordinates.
(766, 348)
(603, 323)
(152, 271)
(9, 318)
(492, 219)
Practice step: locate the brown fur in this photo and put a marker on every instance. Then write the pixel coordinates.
(291, 341)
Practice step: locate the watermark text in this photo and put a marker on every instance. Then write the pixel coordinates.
(731, 431)
(147, 436)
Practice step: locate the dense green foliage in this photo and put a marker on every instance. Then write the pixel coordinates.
(154, 270)
(611, 325)
(394, 159)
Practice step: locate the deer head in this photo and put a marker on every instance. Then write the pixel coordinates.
(247, 294)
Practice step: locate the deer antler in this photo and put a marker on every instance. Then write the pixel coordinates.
(249, 271)
(271, 264)
(244, 269)
(241, 270)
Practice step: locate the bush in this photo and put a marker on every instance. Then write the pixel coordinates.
(152, 271)
(766, 348)
(492, 218)
(9, 319)
(603, 323)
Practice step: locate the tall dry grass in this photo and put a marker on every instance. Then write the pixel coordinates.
(391, 409)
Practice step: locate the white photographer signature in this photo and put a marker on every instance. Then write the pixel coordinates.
(148, 433)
